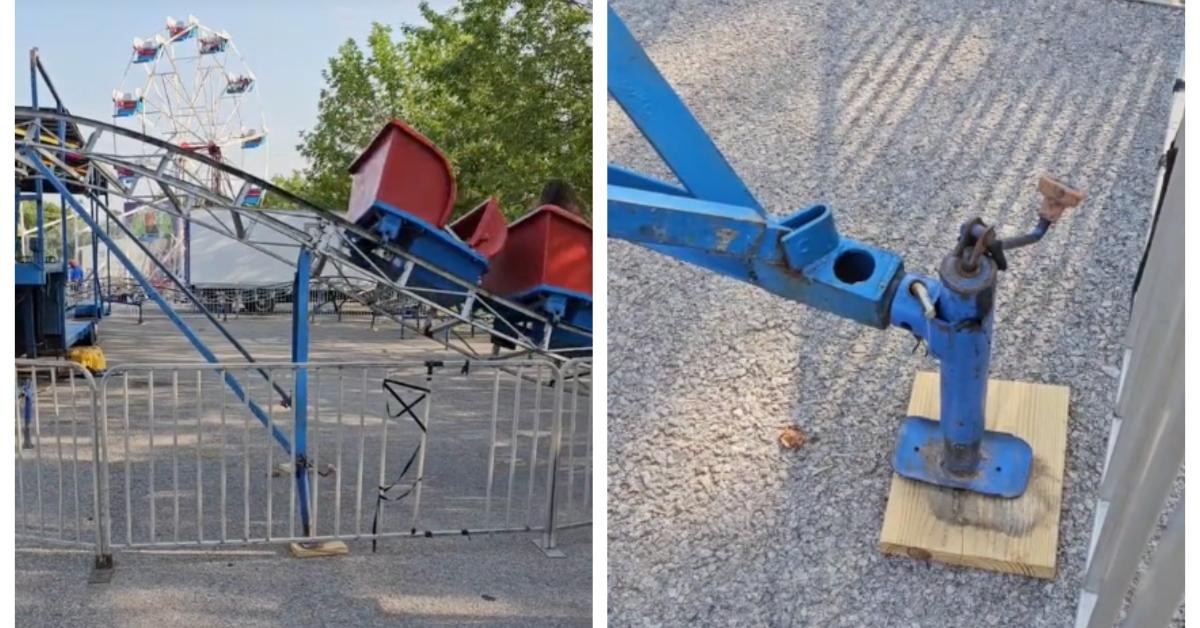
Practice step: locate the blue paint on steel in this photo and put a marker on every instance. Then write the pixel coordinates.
(559, 306)
(962, 341)
(30, 274)
(300, 330)
(638, 87)
(423, 241)
(153, 293)
(839, 275)
(26, 412)
(625, 177)
(1003, 469)
(78, 331)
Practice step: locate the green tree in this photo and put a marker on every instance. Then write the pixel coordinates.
(294, 183)
(51, 212)
(502, 87)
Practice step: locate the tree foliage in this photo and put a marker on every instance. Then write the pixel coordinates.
(502, 87)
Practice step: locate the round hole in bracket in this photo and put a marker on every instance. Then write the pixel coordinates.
(997, 469)
(916, 449)
(854, 266)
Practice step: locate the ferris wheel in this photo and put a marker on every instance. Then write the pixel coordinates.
(189, 85)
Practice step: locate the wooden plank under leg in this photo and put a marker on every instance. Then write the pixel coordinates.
(960, 528)
(318, 549)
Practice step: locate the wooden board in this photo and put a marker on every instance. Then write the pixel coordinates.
(316, 550)
(1013, 535)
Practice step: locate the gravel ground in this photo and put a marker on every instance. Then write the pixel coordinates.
(908, 118)
(440, 580)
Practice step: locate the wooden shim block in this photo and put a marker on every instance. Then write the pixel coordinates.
(314, 550)
(1012, 535)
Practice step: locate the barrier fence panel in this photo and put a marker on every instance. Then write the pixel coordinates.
(57, 454)
(385, 450)
(569, 477)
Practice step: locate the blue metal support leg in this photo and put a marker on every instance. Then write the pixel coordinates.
(957, 451)
(27, 402)
(300, 395)
(153, 293)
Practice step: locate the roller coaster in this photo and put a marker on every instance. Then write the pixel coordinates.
(370, 256)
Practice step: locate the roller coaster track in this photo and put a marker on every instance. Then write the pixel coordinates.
(334, 242)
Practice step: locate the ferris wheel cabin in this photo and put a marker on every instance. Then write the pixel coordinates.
(253, 139)
(179, 30)
(147, 51)
(252, 198)
(126, 104)
(214, 43)
(238, 83)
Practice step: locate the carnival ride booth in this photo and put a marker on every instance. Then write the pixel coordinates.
(49, 319)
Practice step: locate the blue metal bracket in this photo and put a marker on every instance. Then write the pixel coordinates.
(713, 222)
(800, 257)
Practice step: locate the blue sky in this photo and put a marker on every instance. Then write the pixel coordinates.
(86, 44)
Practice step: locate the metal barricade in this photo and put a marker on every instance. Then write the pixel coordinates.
(569, 472)
(203, 454)
(59, 457)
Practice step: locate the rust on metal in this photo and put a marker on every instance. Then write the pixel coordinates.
(1056, 198)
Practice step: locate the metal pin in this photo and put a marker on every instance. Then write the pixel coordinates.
(918, 290)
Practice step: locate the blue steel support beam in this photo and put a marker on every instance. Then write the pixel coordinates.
(300, 394)
(154, 295)
(625, 177)
(39, 257)
(97, 297)
(668, 125)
